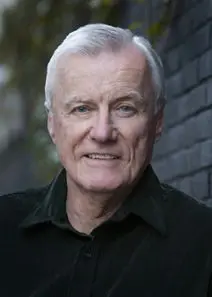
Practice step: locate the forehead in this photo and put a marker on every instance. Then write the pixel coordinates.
(105, 73)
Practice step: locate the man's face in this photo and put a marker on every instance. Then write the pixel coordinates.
(102, 121)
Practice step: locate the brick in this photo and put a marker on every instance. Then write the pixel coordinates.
(171, 167)
(199, 185)
(203, 126)
(194, 129)
(184, 24)
(180, 163)
(194, 158)
(197, 18)
(162, 170)
(185, 52)
(191, 102)
(160, 147)
(168, 143)
(187, 105)
(196, 100)
(185, 162)
(174, 37)
(206, 153)
(209, 93)
(183, 135)
(181, 8)
(200, 155)
(190, 134)
(210, 184)
(192, 19)
(174, 85)
(196, 44)
(172, 112)
(205, 65)
(190, 75)
(184, 185)
(172, 61)
(184, 106)
(174, 139)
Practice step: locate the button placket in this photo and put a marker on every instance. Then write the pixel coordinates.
(88, 252)
(85, 270)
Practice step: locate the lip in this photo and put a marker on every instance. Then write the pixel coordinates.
(101, 163)
(115, 156)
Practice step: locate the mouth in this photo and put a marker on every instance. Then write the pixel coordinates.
(102, 156)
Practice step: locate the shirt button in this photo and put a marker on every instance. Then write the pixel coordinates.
(87, 253)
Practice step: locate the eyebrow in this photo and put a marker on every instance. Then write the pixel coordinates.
(135, 96)
(132, 95)
(75, 99)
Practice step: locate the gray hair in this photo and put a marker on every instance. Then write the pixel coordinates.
(94, 38)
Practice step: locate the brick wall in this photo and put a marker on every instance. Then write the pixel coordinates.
(183, 156)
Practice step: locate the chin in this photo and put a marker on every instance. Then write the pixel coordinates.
(101, 187)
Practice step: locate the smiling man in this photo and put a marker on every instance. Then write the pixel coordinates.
(105, 226)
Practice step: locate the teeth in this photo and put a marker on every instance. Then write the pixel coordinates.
(102, 156)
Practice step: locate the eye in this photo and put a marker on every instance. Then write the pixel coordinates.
(126, 110)
(81, 109)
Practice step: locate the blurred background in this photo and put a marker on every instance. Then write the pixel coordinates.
(181, 31)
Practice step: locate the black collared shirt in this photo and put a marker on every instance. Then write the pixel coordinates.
(159, 243)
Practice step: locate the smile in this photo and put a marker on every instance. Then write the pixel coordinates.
(102, 156)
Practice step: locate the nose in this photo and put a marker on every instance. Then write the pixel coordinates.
(103, 129)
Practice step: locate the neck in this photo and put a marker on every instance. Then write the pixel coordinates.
(86, 211)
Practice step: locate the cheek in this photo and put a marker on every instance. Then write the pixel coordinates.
(69, 136)
(62, 136)
(141, 139)
(138, 132)
(61, 131)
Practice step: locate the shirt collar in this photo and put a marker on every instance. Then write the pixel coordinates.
(53, 207)
(145, 201)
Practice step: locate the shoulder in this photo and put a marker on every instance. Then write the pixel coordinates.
(180, 199)
(14, 207)
(186, 211)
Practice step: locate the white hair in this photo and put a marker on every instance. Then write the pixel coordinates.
(91, 40)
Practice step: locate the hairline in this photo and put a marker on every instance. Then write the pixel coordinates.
(152, 59)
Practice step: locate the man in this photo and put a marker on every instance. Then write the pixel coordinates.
(105, 226)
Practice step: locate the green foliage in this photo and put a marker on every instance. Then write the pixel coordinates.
(135, 25)
(157, 29)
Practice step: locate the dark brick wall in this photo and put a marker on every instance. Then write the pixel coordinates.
(183, 156)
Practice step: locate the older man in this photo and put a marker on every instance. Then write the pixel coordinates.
(105, 226)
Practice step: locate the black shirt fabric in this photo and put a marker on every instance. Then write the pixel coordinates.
(159, 243)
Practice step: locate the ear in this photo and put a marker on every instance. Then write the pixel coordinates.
(159, 123)
(50, 126)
